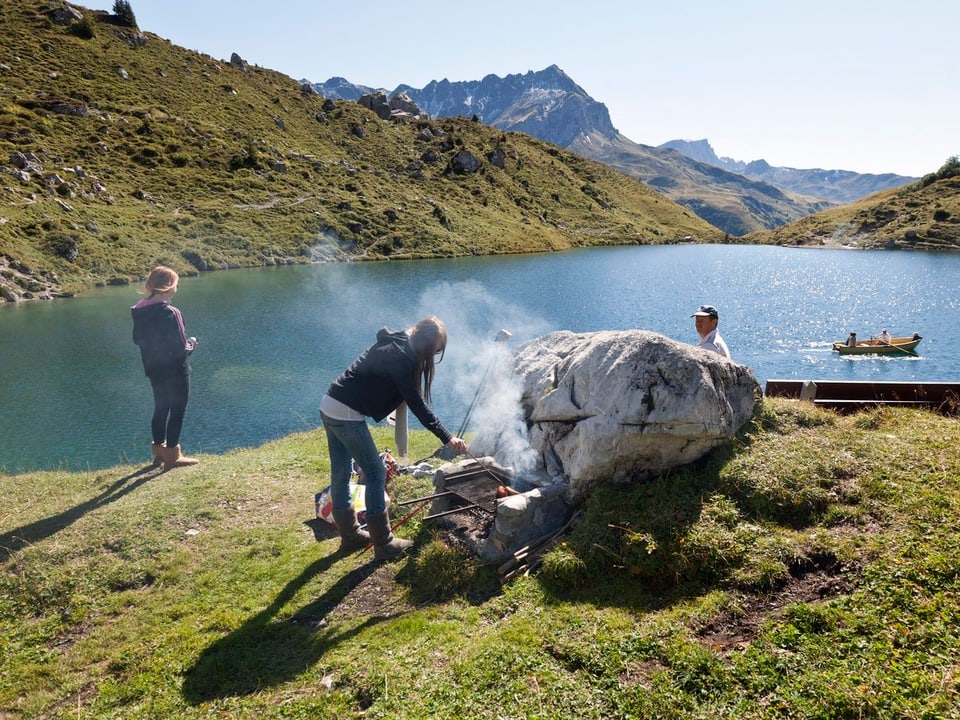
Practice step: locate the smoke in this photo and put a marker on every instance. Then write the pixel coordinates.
(501, 430)
(482, 367)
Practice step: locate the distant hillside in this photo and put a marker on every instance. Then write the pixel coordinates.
(120, 150)
(839, 186)
(922, 216)
(549, 105)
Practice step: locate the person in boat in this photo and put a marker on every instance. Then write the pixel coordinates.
(397, 369)
(707, 318)
(884, 337)
(852, 340)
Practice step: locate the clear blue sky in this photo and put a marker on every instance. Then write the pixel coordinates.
(866, 85)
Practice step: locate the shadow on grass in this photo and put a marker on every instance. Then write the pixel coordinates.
(14, 540)
(322, 530)
(265, 651)
(693, 529)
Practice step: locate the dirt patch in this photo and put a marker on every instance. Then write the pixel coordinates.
(371, 589)
(376, 592)
(376, 595)
(734, 630)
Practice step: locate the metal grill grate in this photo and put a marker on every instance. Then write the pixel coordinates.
(475, 488)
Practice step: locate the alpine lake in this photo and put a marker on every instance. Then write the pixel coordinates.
(74, 395)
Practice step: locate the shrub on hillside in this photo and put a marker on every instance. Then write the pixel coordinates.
(83, 29)
(951, 168)
(124, 13)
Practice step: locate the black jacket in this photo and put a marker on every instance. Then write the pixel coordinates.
(383, 377)
(158, 331)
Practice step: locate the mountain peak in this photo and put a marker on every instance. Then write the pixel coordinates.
(544, 103)
(699, 150)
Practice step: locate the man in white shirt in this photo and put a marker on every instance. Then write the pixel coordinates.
(707, 319)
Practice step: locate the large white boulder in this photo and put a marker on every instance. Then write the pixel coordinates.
(620, 406)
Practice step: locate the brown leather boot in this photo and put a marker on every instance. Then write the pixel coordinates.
(157, 449)
(172, 458)
(385, 545)
(351, 536)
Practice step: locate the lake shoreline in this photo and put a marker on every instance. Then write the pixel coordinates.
(271, 342)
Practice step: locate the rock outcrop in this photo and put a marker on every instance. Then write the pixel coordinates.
(622, 406)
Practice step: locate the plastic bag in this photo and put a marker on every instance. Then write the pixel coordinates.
(324, 503)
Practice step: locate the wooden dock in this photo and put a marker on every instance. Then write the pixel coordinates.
(850, 395)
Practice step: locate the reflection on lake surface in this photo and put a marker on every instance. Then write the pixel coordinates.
(271, 340)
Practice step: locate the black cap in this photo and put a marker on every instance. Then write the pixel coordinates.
(706, 311)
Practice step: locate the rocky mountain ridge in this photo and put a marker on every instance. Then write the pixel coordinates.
(549, 105)
(546, 104)
(840, 186)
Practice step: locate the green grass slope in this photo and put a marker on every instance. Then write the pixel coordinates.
(809, 570)
(924, 215)
(120, 150)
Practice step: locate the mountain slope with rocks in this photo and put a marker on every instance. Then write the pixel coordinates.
(549, 105)
(924, 215)
(120, 150)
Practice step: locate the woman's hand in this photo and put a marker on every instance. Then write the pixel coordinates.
(458, 444)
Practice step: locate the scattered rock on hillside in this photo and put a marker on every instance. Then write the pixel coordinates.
(18, 282)
(239, 63)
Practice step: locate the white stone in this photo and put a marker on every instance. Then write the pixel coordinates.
(622, 406)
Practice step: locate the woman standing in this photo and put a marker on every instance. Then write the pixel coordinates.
(397, 368)
(165, 351)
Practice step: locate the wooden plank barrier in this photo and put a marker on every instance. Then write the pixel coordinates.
(853, 394)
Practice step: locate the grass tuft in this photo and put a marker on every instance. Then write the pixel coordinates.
(440, 572)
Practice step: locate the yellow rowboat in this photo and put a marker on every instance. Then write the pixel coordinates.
(896, 346)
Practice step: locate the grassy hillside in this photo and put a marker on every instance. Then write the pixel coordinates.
(121, 150)
(809, 570)
(549, 105)
(924, 215)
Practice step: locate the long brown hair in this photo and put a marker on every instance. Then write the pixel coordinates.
(427, 338)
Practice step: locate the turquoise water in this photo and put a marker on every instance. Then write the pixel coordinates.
(74, 395)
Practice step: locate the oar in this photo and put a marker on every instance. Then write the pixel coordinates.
(904, 350)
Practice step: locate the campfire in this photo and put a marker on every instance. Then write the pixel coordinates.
(494, 514)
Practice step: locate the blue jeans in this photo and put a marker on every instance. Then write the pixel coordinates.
(350, 440)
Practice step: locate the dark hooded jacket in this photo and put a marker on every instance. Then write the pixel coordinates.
(383, 377)
(158, 331)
